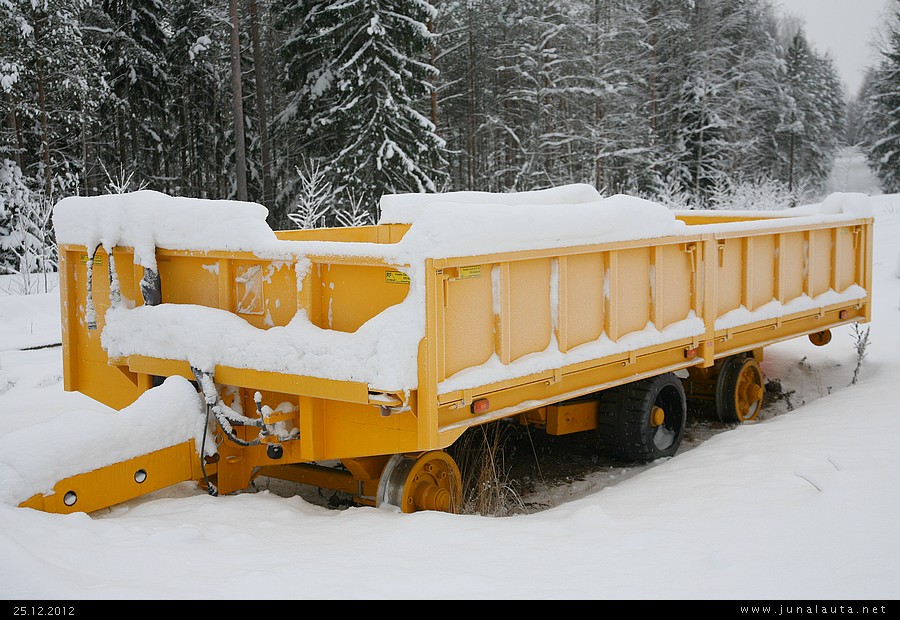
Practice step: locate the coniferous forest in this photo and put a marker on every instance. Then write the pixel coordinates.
(316, 108)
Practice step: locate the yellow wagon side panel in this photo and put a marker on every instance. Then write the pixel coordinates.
(353, 294)
(759, 281)
(730, 272)
(792, 266)
(581, 286)
(819, 262)
(468, 334)
(673, 290)
(845, 258)
(189, 280)
(628, 297)
(524, 325)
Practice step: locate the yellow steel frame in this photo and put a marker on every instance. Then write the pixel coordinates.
(119, 482)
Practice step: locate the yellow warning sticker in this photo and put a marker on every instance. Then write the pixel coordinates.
(396, 277)
(98, 260)
(472, 271)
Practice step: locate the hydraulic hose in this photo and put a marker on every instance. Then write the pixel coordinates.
(90, 313)
(220, 410)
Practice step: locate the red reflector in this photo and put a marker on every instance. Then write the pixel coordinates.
(690, 353)
(481, 405)
(843, 314)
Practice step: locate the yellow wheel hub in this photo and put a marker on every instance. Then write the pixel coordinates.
(820, 339)
(748, 393)
(429, 481)
(657, 416)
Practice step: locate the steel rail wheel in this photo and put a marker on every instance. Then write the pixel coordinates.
(739, 390)
(820, 339)
(426, 481)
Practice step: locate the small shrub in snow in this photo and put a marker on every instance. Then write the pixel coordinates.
(481, 456)
(861, 344)
(756, 195)
(354, 214)
(672, 194)
(27, 248)
(122, 183)
(316, 195)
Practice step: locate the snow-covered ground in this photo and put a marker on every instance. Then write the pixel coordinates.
(802, 505)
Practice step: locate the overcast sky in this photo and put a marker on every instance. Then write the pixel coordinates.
(843, 27)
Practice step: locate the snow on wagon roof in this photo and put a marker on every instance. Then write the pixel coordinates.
(146, 219)
(444, 225)
(441, 225)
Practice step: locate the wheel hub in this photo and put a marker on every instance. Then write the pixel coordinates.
(657, 416)
(749, 393)
(430, 481)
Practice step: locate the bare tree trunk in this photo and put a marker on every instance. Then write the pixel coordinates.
(45, 137)
(262, 107)
(240, 152)
(470, 113)
(791, 164)
(13, 126)
(654, 41)
(167, 170)
(598, 104)
(84, 155)
(218, 175)
(120, 126)
(135, 144)
(434, 99)
(42, 106)
(186, 135)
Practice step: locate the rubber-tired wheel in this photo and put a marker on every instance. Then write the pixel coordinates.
(739, 390)
(644, 420)
(426, 481)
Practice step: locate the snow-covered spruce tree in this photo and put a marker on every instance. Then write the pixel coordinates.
(200, 100)
(262, 172)
(664, 71)
(880, 100)
(814, 119)
(27, 249)
(748, 99)
(514, 97)
(133, 36)
(51, 86)
(703, 124)
(30, 241)
(359, 75)
(14, 196)
(625, 40)
(531, 61)
(725, 76)
(467, 35)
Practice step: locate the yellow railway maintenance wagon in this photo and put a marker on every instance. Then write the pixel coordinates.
(351, 358)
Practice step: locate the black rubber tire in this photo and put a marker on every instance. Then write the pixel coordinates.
(727, 384)
(624, 420)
